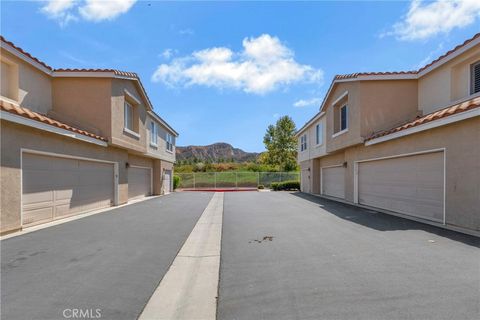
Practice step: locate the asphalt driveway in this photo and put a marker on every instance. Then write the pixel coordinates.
(292, 256)
(112, 261)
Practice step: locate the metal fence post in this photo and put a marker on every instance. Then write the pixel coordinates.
(258, 179)
(215, 179)
(193, 180)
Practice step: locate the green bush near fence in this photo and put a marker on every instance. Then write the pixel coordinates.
(176, 182)
(286, 185)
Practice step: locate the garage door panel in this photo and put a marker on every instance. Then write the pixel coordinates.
(39, 215)
(139, 182)
(410, 185)
(167, 181)
(333, 181)
(63, 187)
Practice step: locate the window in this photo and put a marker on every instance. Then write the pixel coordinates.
(319, 134)
(128, 116)
(343, 118)
(9, 80)
(153, 133)
(169, 142)
(303, 142)
(475, 78)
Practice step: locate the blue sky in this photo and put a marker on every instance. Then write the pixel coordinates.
(224, 71)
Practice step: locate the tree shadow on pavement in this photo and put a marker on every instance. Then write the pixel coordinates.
(382, 221)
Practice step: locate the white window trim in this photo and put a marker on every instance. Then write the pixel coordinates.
(321, 129)
(304, 138)
(125, 117)
(153, 134)
(169, 140)
(132, 133)
(131, 97)
(339, 133)
(346, 117)
(343, 95)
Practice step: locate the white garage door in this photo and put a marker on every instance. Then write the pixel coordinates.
(139, 182)
(333, 181)
(411, 185)
(55, 187)
(167, 182)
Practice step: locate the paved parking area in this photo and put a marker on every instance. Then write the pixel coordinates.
(293, 256)
(112, 261)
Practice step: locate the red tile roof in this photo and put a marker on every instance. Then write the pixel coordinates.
(25, 53)
(29, 114)
(115, 71)
(443, 113)
(355, 75)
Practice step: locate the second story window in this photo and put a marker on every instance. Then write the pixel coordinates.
(319, 134)
(153, 133)
(9, 80)
(169, 142)
(343, 118)
(303, 142)
(129, 116)
(475, 78)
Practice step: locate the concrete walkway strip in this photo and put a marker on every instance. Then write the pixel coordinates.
(189, 289)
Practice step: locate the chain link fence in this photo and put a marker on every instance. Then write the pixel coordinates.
(205, 180)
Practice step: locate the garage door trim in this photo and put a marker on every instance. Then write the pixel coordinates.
(444, 150)
(60, 155)
(151, 175)
(321, 174)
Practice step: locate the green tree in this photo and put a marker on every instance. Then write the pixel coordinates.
(281, 144)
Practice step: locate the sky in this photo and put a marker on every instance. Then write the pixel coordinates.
(224, 71)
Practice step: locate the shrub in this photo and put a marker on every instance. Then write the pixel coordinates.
(176, 182)
(286, 185)
(261, 186)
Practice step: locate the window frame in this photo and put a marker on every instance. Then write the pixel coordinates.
(345, 106)
(472, 77)
(153, 134)
(128, 118)
(303, 142)
(319, 134)
(169, 142)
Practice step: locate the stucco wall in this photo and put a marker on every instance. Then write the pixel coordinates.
(313, 150)
(462, 165)
(83, 103)
(161, 149)
(386, 104)
(351, 137)
(14, 137)
(448, 83)
(34, 86)
(119, 137)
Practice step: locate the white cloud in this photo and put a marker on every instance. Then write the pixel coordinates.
(65, 11)
(60, 10)
(263, 65)
(305, 103)
(168, 53)
(438, 17)
(98, 10)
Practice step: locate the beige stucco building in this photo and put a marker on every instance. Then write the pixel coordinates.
(405, 143)
(76, 140)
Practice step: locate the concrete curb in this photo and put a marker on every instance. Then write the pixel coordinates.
(189, 288)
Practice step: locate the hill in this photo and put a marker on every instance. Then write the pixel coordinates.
(217, 152)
